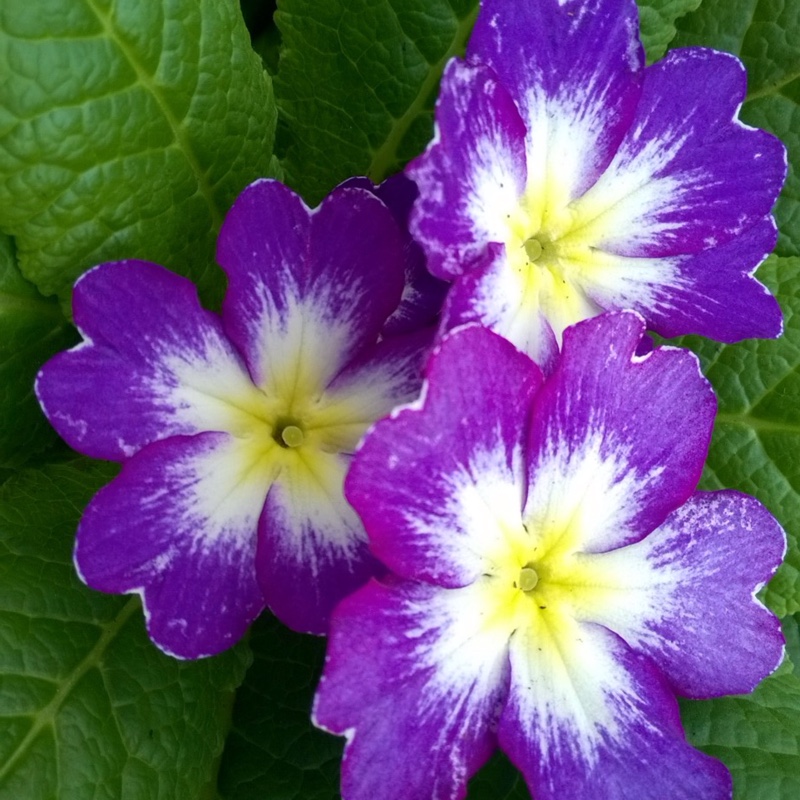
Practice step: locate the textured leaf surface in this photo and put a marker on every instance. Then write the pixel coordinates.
(357, 81)
(657, 22)
(272, 752)
(756, 443)
(764, 33)
(126, 130)
(756, 735)
(90, 709)
(32, 328)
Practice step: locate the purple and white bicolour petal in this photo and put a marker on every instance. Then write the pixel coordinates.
(235, 431)
(554, 578)
(565, 178)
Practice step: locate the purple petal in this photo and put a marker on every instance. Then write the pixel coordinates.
(436, 483)
(685, 594)
(178, 525)
(588, 718)
(153, 364)
(574, 70)
(712, 293)
(414, 679)
(423, 294)
(312, 549)
(689, 175)
(617, 441)
(308, 290)
(473, 175)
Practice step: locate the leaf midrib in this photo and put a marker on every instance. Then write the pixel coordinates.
(757, 423)
(46, 715)
(178, 131)
(385, 156)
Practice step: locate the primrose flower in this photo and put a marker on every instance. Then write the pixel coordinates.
(565, 178)
(235, 432)
(555, 579)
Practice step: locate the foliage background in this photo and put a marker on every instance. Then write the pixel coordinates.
(127, 128)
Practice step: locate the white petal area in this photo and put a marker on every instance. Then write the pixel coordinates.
(585, 495)
(587, 717)
(570, 686)
(491, 188)
(302, 343)
(208, 388)
(624, 282)
(367, 390)
(561, 132)
(474, 518)
(685, 594)
(529, 306)
(627, 202)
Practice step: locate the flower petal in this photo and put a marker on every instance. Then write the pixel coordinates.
(414, 679)
(587, 717)
(504, 301)
(423, 294)
(689, 175)
(712, 293)
(153, 364)
(312, 548)
(440, 482)
(308, 290)
(472, 176)
(369, 388)
(577, 97)
(617, 441)
(685, 594)
(178, 525)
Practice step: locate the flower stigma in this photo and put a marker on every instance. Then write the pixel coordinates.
(289, 434)
(533, 248)
(528, 578)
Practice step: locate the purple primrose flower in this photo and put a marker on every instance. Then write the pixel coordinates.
(235, 432)
(566, 178)
(555, 579)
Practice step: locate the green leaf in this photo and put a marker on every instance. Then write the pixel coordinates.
(273, 751)
(761, 33)
(755, 735)
(32, 329)
(357, 81)
(126, 131)
(657, 22)
(757, 433)
(90, 709)
(499, 779)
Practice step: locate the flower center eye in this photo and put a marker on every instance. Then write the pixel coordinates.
(288, 434)
(527, 579)
(533, 248)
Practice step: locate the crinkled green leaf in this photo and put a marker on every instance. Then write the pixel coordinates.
(357, 81)
(32, 328)
(657, 22)
(126, 131)
(756, 443)
(90, 709)
(273, 752)
(766, 35)
(756, 735)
